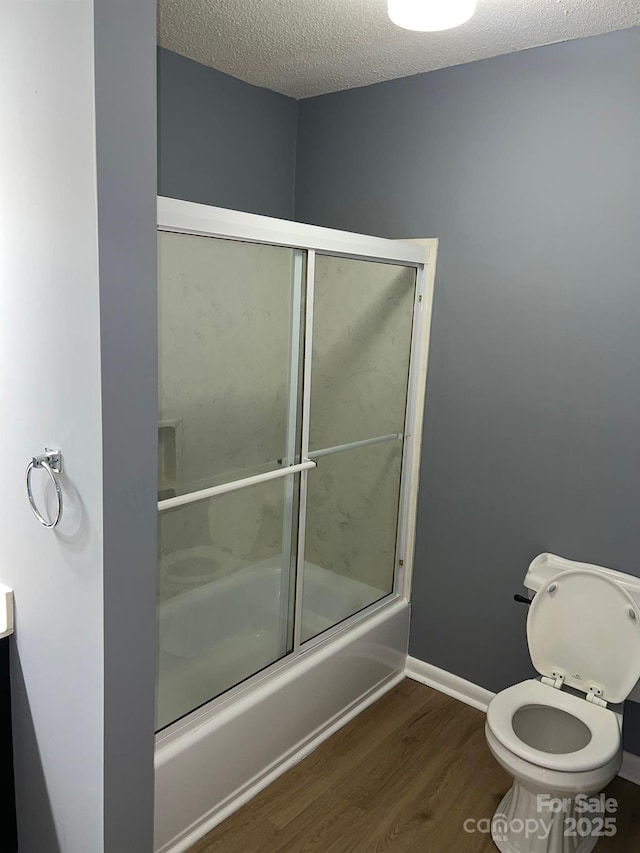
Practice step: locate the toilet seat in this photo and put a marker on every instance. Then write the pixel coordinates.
(584, 629)
(602, 723)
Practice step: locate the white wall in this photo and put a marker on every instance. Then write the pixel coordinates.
(53, 391)
(50, 387)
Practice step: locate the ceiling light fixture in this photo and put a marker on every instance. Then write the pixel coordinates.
(427, 16)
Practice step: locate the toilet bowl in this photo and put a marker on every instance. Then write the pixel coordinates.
(559, 736)
(555, 746)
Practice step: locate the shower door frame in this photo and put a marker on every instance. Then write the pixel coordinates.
(190, 218)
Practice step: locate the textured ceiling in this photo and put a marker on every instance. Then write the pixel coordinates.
(309, 47)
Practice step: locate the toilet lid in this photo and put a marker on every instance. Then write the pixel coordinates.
(587, 627)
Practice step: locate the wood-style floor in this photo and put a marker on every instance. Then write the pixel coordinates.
(400, 778)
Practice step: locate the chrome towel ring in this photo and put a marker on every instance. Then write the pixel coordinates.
(51, 461)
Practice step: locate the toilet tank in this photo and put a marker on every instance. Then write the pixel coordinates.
(546, 566)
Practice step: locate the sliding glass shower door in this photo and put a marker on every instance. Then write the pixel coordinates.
(229, 377)
(282, 448)
(362, 323)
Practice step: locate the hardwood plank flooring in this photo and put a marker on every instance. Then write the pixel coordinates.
(402, 777)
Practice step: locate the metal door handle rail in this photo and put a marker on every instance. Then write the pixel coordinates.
(234, 485)
(339, 448)
(51, 462)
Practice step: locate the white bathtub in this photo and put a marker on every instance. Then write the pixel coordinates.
(213, 637)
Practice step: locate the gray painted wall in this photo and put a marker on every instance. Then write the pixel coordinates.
(224, 142)
(527, 169)
(125, 90)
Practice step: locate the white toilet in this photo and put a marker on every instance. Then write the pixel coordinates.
(560, 736)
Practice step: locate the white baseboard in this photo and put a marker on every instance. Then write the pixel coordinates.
(447, 682)
(478, 697)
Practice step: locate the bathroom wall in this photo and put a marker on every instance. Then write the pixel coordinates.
(526, 167)
(125, 174)
(7, 783)
(78, 358)
(224, 142)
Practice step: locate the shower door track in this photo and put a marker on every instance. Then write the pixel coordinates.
(185, 217)
(201, 220)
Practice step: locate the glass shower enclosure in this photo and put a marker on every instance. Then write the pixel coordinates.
(292, 362)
